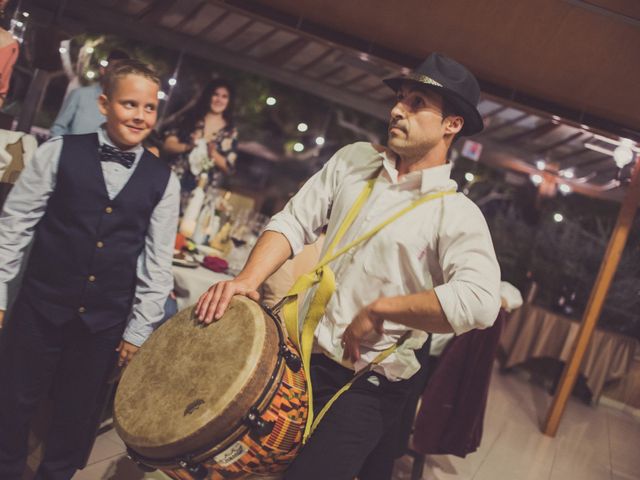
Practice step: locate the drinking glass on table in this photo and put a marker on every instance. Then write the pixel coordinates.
(240, 234)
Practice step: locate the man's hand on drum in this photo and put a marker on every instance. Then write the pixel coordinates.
(364, 324)
(127, 351)
(214, 302)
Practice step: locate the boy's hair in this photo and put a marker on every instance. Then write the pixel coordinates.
(124, 67)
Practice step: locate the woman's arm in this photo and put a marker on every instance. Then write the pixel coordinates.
(219, 160)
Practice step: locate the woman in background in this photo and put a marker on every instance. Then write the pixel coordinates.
(204, 140)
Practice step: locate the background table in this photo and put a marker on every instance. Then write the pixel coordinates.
(534, 332)
(190, 283)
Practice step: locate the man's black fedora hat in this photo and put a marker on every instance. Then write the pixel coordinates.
(451, 80)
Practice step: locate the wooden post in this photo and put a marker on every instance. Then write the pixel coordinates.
(596, 301)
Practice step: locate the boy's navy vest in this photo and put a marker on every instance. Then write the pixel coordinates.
(86, 247)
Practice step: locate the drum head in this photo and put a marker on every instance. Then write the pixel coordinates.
(189, 386)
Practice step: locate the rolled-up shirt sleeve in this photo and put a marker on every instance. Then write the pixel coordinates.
(155, 279)
(470, 294)
(302, 218)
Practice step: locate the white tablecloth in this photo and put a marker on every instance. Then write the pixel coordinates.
(190, 283)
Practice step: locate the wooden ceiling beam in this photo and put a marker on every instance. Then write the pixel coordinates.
(191, 15)
(287, 51)
(532, 134)
(214, 23)
(573, 154)
(239, 30)
(353, 81)
(261, 39)
(590, 162)
(568, 139)
(316, 60)
(331, 73)
(505, 124)
(154, 10)
(494, 112)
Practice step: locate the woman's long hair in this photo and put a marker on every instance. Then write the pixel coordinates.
(198, 112)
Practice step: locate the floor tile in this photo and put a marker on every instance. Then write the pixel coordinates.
(582, 471)
(104, 448)
(115, 468)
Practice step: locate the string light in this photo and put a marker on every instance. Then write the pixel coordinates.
(469, 176)
(536, 179)
(303, 127)
(558, 217)
(623, 155)
(172, 81)
(91, 74)
(161, 95)
(319, 140)
(104, 63)
(541, 164)
(298, 147)
(564, 188)
(568, 173)
(271, 101)
(89, 50)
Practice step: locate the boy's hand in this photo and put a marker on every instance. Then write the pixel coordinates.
(127, 351)
(1, 318)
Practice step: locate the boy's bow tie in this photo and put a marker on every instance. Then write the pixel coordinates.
(113, 154)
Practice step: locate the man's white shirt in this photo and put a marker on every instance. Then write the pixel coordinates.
(442, 244)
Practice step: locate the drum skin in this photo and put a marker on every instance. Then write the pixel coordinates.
(186, 393)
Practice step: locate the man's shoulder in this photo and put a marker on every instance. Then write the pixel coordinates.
(359, 155)
(460, 200)
(362, 148)
(460, 210)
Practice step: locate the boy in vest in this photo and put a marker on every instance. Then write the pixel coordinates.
(102, 212)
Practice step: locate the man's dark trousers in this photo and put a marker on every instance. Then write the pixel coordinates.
(357, 435)
(67, 362)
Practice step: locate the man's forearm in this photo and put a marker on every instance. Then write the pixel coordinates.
(420, 311)
(270, 252)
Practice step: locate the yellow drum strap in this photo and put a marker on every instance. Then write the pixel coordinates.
(324, 277)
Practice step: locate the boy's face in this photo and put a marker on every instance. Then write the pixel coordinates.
(131, 110)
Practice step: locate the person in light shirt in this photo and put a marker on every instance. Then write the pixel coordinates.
(432, 270)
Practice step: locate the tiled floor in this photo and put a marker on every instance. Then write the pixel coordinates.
(591, 444)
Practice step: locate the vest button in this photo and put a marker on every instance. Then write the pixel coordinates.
(82, 310)
(108, 209)
(92, 278)
(99, 244)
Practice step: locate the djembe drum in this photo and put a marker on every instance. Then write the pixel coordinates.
(213, 402)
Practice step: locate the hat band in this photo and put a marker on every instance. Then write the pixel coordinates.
(424, 79)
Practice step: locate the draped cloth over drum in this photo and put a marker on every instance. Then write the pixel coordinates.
(190, 385)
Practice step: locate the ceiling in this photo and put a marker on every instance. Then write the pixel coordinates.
(556, 75)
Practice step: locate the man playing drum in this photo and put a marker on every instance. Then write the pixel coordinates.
(418, 260)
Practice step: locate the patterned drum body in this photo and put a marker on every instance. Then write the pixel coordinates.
(214, 402)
